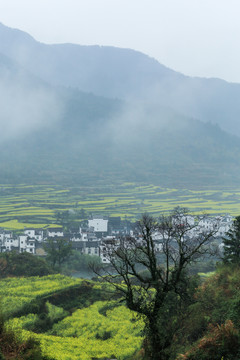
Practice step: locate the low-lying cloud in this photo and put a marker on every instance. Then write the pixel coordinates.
(25, 107)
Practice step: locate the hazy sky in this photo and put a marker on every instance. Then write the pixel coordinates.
(196, 37)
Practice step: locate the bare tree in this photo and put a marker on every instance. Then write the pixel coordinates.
(156, 284)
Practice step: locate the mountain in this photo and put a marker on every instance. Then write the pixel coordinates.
(106, 71)
(62, 135)
(54, 133)
(125, 74)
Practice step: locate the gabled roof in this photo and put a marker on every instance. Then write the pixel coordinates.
(55, 229)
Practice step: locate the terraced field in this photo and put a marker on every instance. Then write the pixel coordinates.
(36, 206)
(88, 329)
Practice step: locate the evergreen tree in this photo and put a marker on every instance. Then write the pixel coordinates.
(232, 243)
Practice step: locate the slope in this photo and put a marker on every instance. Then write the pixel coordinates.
(59, 135)
(126, 74)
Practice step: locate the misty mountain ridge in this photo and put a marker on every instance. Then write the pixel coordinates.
(126, 74)
(53, 132)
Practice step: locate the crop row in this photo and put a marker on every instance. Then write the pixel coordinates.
(26, 203)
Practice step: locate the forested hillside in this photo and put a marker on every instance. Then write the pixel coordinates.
(64, 136)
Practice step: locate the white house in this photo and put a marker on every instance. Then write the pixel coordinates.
(34, 234)
(11, 244)
(55, 232)
(87, 247)
(31, 246)
(23, 242)
(103, 254)
(91, 248)
(98, 225)
(76, 237)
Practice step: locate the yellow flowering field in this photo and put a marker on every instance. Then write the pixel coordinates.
(16, 292)
(103, 329)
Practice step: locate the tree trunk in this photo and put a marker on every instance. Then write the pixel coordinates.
(157, 345)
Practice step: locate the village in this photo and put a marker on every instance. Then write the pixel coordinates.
(98, 232)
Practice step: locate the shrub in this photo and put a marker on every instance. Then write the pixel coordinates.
(24, 264)
(13, 347)
(222, 341)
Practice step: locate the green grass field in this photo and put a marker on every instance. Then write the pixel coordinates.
(35, 206)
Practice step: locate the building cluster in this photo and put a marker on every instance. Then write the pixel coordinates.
(193, 227)
(99, 231)
(87, 240)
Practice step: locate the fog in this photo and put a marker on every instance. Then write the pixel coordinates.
(26, 106)
(146, 122)
(116, 73)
